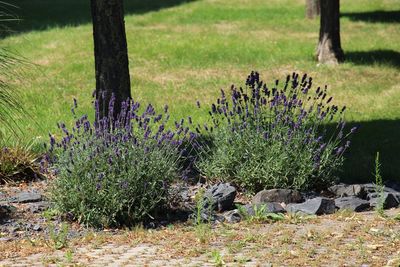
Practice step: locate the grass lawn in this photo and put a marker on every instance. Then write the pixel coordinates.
(183, 51)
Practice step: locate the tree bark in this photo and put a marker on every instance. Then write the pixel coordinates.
(329, 50)
(313, 8)
(111, 54)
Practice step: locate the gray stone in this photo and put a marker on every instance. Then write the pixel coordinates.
(269, 207)
(373, 188)
(232, 216)
(277, 195)
(309, 195)
(352, 203)
(393, 184)
(36, 227)
(26, 197)
(315, 206)
(220, 197)
(389, 200)
(39, 206)
(344, 190)
(5, 212)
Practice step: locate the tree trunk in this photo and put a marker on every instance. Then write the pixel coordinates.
(313, 8)
(111, 54)
(329, 49)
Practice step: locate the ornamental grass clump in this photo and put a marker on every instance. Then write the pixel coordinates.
(115, 171)
(275, 137)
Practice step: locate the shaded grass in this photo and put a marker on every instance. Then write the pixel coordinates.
(189, 51)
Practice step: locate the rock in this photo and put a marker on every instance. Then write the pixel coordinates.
(39, 206)
(309, 195)
(26, 197)
(6, 239)
(373, 188)
(5, 212)
(389, 200)
(352, 203)
(36, 227)
(315, 206)
(207, 217)
(232, 216)
(269, 207)
(393, 184)
(277, 195)
(344, 190)
(220, 197)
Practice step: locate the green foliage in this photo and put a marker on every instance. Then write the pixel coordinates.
(58, 238)
(9, 102)
(218, 259)
(260, 215)
(275, 137)
(114, 176)
(202, 229)
(17, 163)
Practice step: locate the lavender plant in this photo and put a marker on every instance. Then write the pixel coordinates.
(115, 171)
(275, 137)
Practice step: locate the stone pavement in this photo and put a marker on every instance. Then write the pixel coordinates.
(113, 255)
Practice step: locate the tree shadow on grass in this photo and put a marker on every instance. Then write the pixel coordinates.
(379, 16)
(381, 56)
(381, 136)
(44, 14)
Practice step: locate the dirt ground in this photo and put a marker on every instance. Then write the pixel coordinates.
(341, 239)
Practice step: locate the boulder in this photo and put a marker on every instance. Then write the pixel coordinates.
(5, 212)
(269, 207)
(220, 197)
(26, 197)
(352, 203)
(393, 184)
(388, 199)
(344, 190)
(277, 195)
(315, 206)
(373, 188)
(232, 216)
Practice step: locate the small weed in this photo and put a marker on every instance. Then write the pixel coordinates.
(260, 215)
(217, 257)
(50, 214)
(69, 256)
(202, 229)
(380, 188)
(361, 247)
(298, 218)
(59, 239)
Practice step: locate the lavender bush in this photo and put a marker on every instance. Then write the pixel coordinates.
(115, 171)
(275, 137)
